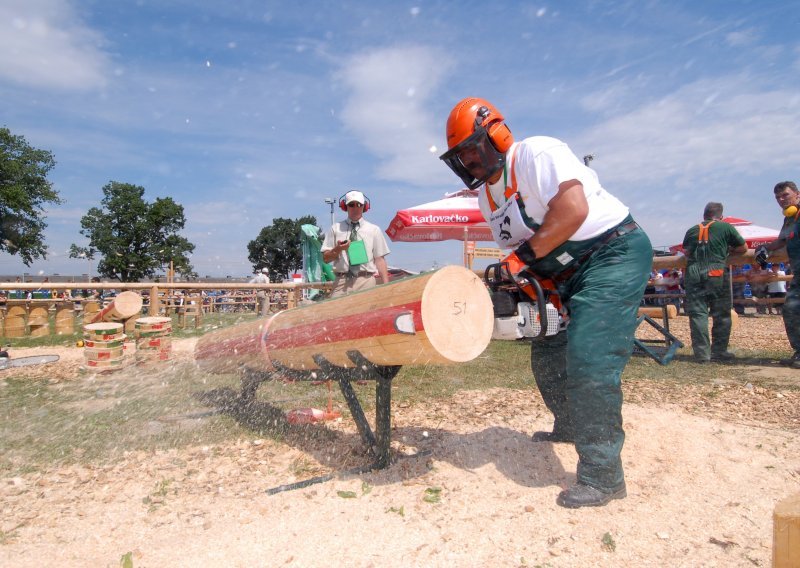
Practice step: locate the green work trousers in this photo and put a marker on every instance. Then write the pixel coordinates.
(579, 372)
(708, 295)
(791, 313)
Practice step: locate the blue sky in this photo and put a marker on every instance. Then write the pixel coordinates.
(250, 110)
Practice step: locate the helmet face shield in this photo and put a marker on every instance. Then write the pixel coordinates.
(474, 159)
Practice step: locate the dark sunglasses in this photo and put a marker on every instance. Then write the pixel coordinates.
(355, 204)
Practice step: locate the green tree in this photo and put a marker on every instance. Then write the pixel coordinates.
(135, 238)
(278, 248)
(24, 189)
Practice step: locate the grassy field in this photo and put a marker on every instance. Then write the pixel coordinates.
(98, 418)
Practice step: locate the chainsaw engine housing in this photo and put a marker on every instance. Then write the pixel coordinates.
(529, 320)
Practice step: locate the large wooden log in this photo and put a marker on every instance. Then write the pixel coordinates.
(438, 317)
(125, 305)
(656, 312)
(786, 533)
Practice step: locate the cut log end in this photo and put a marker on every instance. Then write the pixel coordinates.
(457, 314)
(125, 305)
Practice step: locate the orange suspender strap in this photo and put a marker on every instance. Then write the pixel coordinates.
(513, 189)
(702, 235)
(509, 190)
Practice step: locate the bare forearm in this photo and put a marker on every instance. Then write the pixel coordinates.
(775, 245)
(383, 271)
(567, 212)
(335, 252)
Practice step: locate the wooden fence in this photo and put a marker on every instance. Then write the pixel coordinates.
(169, 298)
(26, 309)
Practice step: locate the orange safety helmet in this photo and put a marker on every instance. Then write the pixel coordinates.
(477, 138)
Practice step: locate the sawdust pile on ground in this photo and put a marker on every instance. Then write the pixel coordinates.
(751, 332)
(705, 465)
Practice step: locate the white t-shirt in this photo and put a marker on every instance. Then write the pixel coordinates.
(374, 243)
(778, 285)
(259, 278)
(541, 164)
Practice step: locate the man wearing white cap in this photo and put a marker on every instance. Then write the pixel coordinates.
(262, 296)
(356, 248)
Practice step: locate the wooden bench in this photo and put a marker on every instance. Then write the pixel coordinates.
(192, 308)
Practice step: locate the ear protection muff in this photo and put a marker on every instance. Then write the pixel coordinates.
(499, 134)
(501, 137)
(343, 205)
(790, 211)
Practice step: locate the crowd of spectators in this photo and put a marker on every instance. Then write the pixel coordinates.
(666, 283)
(753, 283)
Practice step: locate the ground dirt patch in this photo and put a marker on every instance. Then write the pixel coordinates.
(706, 459)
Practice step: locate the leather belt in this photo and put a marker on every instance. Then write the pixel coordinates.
(349, 275)
(617, 231)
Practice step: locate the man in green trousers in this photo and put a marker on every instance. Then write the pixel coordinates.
(543, 202)
(707, 282)
(788, 198)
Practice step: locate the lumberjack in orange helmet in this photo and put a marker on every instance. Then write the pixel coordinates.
(478, 139)
(539, 199)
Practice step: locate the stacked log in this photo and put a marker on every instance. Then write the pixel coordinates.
(153, 339)
(65, 318)
(15, 321)
(38, 321)
(125, 305)
(103, 346)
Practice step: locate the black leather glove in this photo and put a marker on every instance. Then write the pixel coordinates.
(526, 254)
(762, 254)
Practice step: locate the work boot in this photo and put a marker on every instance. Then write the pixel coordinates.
(581, 495)
(793, 361)
(723, 356)
(555, 436)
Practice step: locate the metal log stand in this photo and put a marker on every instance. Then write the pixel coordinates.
(377, 441)
(671, 343)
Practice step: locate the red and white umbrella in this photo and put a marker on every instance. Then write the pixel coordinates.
(456, 217)
(754, 235)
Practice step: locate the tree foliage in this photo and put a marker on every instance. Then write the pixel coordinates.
(278, 247)
(136, 239)
(24, 190)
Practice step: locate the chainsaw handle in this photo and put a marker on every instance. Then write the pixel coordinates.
(493, 275)
(541, 301)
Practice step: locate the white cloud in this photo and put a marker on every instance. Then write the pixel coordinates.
(741, 38)
(388, 109)
(725, 122)
(724, 138)
(44, 43)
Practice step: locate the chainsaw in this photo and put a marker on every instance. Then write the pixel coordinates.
(527, 299)
(6, 362)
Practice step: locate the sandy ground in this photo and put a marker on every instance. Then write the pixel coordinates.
(471, 490)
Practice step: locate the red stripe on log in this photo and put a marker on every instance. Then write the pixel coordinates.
(373, 323)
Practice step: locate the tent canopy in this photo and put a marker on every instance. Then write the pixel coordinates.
(754, 235)
(455, 217)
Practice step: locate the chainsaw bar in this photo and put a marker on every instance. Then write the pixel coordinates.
(6, 363)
